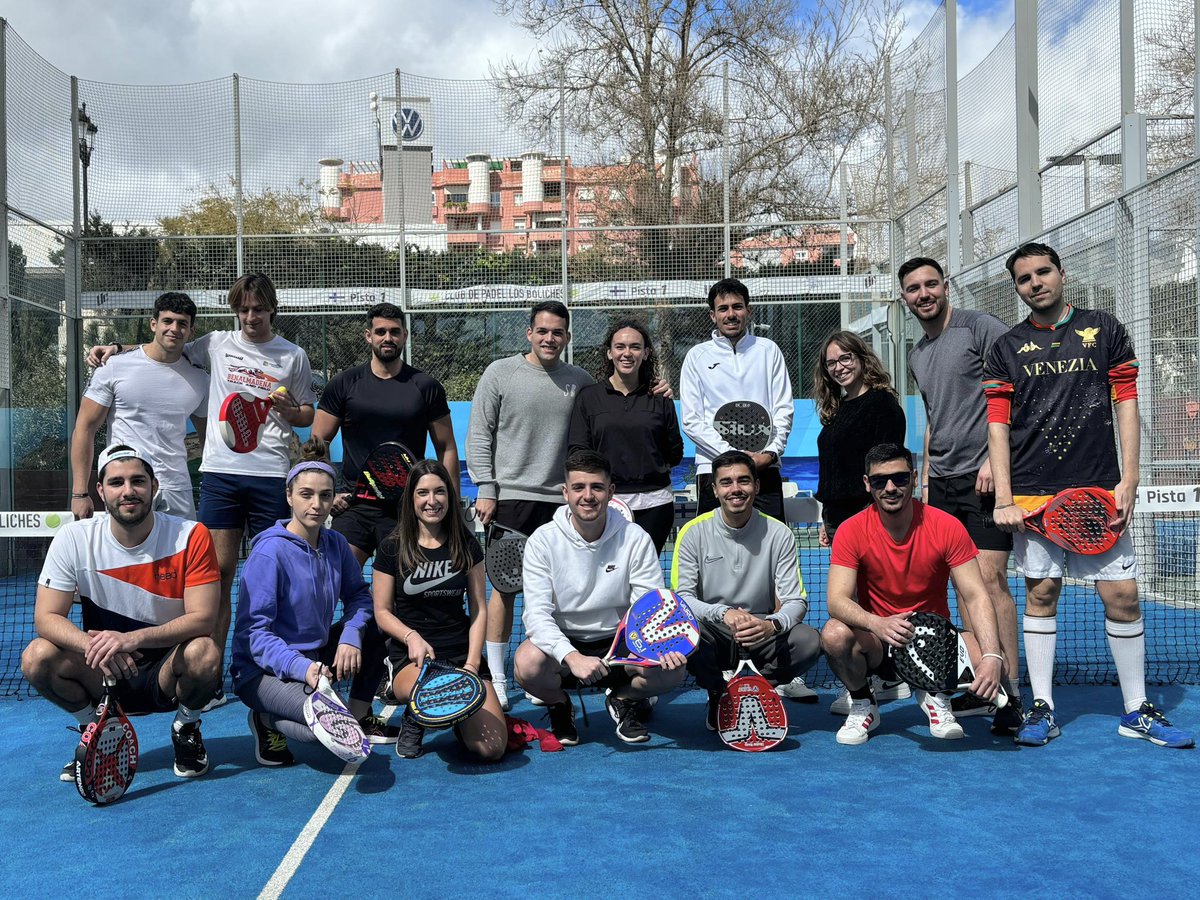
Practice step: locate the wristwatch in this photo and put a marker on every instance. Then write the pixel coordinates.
(774, 457)
(777, 624)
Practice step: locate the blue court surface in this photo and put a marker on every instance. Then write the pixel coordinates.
(1090, 815)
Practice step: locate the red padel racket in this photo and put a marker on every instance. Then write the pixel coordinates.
(107, 756)
(241, 420)
(750, 716)
(1077, 519)
(385, 473)
(658, 623)
(936, 659)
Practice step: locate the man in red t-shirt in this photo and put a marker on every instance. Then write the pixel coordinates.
(889, 561)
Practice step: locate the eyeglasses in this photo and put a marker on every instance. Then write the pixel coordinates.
(880, 482)
(844, 360)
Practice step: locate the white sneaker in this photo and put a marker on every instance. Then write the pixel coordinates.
(536, 701)
(942, 723)
(883, 691)
(501, 688)
(796, 689)
(861, 721)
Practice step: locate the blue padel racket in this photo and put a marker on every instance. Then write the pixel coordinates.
(334, 725)
(750, 715)
(107, 756)
(936, 659)
(658, 623)
(445, 695)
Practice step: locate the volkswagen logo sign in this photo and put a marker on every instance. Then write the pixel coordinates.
(407, 124)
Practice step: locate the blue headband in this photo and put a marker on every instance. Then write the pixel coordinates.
(311, 465)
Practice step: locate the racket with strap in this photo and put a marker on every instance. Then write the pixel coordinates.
(936, 659)
(334, 725)
(385, 473)
(1077, 519)
(659, 622)
(745, 425)
(750, 715)
(107, 756)
(241, 420)
(503, 560)
(445, 695)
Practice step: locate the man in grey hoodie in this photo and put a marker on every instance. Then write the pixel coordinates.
(582, 571)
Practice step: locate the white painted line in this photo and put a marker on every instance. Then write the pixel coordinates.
(308, 835)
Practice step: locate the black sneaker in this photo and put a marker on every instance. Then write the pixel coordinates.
(68, 772)
(217, 699)
(562, 723)
(378, 731)
(967, 704)
(710, 711)
(408, 744)
(630, 716)
(270, 746)
(1008, 718)
(191, 759)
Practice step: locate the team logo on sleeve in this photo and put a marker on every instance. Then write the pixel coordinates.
(1089, 335)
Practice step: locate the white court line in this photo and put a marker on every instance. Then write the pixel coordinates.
(308, 835)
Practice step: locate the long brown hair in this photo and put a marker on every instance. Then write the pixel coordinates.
(407, 531)
(828, 393)
(646, 372)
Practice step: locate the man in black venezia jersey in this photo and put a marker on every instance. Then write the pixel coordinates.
(1053, 384)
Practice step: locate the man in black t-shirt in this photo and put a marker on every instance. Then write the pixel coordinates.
(384, 399)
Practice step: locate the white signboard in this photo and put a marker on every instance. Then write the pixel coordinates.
(1176, 498)
(33, 524)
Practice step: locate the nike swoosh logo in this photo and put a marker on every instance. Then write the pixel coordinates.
(713, 559)
(1128, 565)
(416, 587)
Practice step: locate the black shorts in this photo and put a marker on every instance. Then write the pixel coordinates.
(885, 670)
(142, 693)
(525, 516)
(455, 654)
(617, 677)
(365, 524)
(956, 495)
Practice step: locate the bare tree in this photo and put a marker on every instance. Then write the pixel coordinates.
(643, 81)
(1169, 86)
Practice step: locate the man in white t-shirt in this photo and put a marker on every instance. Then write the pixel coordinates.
(146, 397)
(245, 492)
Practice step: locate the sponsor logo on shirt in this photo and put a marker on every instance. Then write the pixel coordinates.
(428, 576)
(1089, 336)
(611, 567)
(713, 366)
(252, 376)
(1060, 367)
(1028, 347)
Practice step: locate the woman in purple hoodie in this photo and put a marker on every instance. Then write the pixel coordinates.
(286, 637)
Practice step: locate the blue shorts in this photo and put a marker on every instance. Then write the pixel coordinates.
(252, 502)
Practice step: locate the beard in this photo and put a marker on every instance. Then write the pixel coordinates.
(387, 354)
(130, 519)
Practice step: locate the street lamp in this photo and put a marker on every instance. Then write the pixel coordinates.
(87, 140)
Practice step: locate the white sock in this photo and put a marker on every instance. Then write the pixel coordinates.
(185, 716)
(497, 658)
(1041, 635)
(85, 715)
(1127, 641)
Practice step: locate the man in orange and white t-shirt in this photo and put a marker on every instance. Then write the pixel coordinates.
(149, 587)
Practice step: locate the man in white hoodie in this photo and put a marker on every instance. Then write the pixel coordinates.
(582, 571)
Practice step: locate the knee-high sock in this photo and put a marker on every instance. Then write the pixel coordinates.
(497, 659)
(1127, 641)
(1041, 636)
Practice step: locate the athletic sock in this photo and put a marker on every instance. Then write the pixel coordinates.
(1041, 635)
(185, 716)
(1127, 641)
(85, 715)
(1014, 687)
(863, 693)
(497, 658)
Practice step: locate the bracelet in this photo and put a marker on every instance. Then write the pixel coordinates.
(82, 496)
(993, 656)
(117, 344)
(404, 639)
(1003, 506)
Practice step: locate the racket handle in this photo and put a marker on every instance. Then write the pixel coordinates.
(110, 681)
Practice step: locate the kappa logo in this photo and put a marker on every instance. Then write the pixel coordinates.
(1028, 347)
(1089, 335)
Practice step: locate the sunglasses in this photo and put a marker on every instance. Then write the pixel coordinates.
(880, 482)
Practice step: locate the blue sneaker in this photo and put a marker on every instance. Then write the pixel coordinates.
(1039, 726)
(1150, 725)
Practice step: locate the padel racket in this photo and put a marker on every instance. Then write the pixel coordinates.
(444, 695)
(658, 623)
(334, 725)
(385, 473)
(504, 557)
(745, 425)
(750, 715)
(621, 508)
(1077, 519)
(936, 659)
(107, 756)
(241, 420)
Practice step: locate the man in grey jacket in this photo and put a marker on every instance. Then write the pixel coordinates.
(730, 566)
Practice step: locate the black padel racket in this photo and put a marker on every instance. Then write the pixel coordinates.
(936, 659)
(107, 756)
(444, 695)
(745, 425)
(385, 473)
(503, 560)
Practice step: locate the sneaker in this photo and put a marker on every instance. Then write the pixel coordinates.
(501, 688)
(1149, 724)
(562, 723)
(384, 694)
(378, 731)
(942, 723)
(1008, 718)
(218, 699)
(883, 691)
(1038, 726)
(536, 701)
(191, 759)
(967, 704)
(68, 772)
(862, 719)
(710, 710)
(630, 718)
(270, 746)
(408, 744)
(797, 690)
